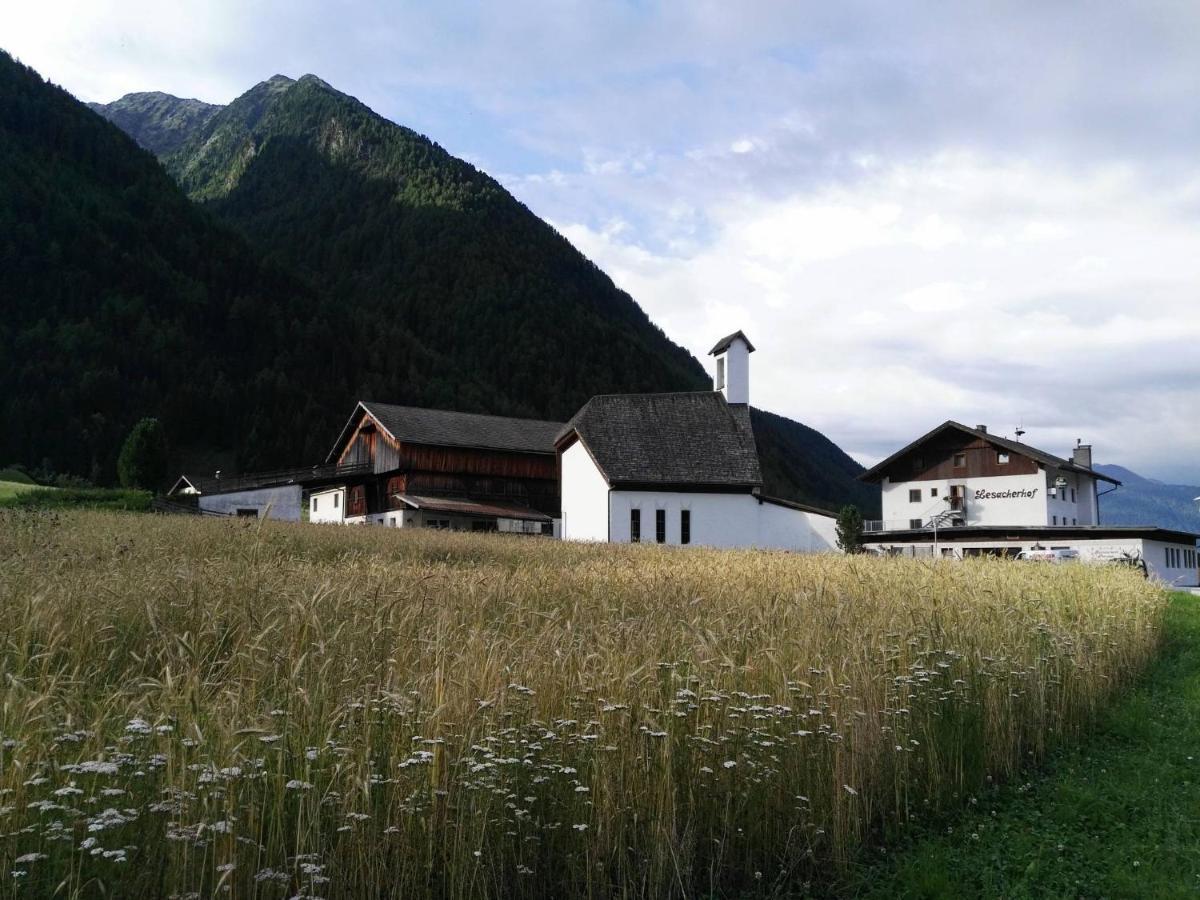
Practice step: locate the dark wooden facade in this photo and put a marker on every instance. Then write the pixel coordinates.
(935, 460)
(393, 466)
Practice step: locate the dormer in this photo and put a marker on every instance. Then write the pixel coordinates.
(732, 377)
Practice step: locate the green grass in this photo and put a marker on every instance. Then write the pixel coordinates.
(1116, 815)
(38, 497)
(10, 489)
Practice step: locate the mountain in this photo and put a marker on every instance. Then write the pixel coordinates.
(400, 231)
(1144, 501)
(122, 298)
(157, 121)
(319, 255)
(799, 462)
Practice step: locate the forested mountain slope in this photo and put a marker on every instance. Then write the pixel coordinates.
(123, 299)
(398, 230)
(354, 258)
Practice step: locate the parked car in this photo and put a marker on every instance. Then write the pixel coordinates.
(1050, 556)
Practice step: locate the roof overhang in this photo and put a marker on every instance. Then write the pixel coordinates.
(477, 508)
(800, 507)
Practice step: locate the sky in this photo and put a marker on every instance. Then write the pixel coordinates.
(985, 212)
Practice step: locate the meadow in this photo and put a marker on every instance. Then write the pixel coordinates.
(198, 707)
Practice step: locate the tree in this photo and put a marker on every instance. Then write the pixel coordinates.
(143, 459)
(850, 529)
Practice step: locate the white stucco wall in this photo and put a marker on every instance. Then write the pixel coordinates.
(737, 372)
(282, 503)
(1176, 575)
(783, 528)
(584, 497)
(718, 520)
(1072, 505)
(722, 520)
(327, 506)
(981, 509)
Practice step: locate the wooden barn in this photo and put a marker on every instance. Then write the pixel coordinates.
(430, 468)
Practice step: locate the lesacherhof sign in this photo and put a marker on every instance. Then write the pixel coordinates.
(1017, 494)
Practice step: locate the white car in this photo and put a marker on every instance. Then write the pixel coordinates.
(1051, 556)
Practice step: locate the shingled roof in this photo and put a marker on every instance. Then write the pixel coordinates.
(445, 428)
(676, 439)
(875, 473)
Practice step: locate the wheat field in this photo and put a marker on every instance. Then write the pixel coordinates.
(196, 707)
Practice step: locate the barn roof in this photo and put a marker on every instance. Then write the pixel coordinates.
(692, 439)
(875, 473)
(445, 428)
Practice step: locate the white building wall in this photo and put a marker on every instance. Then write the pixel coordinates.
(718, 520)
(722, 520)
(1097, 551)
(998, 500)
(584, 497)
(784, 528)
(737, 372)
(1172, 570)
(282, 503)
(327, 506)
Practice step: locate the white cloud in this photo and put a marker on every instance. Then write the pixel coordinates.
(1060, 300)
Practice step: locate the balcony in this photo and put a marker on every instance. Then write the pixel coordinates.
(950, 512)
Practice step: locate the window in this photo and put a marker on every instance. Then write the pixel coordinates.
(1055, 520)
(1002, 458)
(315, 503)
(914, 496)
(960, 460)
(335, 500)
(933, 492)
(914, 523)
(720, 372)
(660, 526)
(1074, 521)
(392, 521)
(635, 525)
(685, 526)
(243, 513)
(1167, 557)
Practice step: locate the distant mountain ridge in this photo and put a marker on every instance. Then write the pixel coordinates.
(157, 121)
(413, 276)
(1144, 501)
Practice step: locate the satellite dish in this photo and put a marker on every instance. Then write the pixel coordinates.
(1020, 431)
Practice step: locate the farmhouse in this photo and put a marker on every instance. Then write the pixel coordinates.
(429, 468)
(960, 491)
(679, 468)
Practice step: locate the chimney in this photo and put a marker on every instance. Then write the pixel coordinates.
(1082, 455)
(733, 367)
(982, 428)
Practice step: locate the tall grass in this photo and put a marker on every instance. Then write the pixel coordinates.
(200, 707)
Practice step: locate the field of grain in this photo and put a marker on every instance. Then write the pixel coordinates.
(205, 707)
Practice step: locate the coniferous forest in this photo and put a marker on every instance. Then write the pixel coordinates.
(285, 256)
